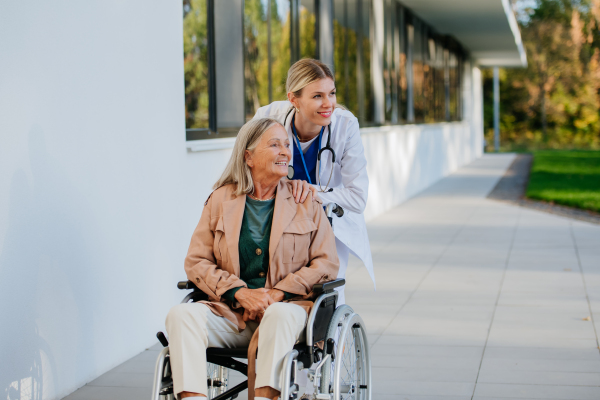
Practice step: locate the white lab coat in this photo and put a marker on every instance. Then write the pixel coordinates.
(350, 182)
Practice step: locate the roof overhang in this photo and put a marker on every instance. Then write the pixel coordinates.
(488, 29)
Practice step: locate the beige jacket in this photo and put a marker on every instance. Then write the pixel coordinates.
(302, 249)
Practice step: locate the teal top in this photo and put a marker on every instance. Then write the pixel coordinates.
(254, 246)
(259, 215)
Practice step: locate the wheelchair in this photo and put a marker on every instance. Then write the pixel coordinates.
(335, 353)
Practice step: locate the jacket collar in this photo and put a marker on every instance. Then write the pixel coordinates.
(284, 212)
(233, 213)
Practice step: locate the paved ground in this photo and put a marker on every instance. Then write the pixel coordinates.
(476, 299)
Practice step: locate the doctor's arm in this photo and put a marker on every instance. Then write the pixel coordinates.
(353, 195)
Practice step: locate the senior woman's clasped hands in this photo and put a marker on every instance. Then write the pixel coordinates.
(256, 301)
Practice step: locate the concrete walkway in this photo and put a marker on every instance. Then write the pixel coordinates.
(476, 299)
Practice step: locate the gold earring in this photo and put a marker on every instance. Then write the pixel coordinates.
(298, 110)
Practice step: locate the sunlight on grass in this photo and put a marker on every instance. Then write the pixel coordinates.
(568, 177)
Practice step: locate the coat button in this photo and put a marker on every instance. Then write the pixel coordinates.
(262, 275)
(258, 252)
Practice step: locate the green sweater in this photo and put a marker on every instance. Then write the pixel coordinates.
(254, 246)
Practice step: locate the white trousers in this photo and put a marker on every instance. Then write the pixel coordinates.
(192, 328)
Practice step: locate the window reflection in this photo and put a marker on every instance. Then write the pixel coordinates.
(267, 39)
(352, 56)
(418, 72)
(195, 63)
(422, 71)
(256, 62)
(433, 76)
(308, 33)
(401, 56)
(454, 100)
(366, 94)
(345, 53)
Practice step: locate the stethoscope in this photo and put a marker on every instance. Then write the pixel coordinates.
(327, 147)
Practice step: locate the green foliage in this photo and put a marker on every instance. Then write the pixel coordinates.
(555, 101)
(256, 43)
(345, 54)
(570, 178)
(195, 64)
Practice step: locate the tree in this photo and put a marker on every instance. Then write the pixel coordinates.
(555, 101)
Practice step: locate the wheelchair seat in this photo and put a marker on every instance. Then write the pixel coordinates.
(239, 352)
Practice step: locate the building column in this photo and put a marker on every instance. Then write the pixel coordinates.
(229, 63)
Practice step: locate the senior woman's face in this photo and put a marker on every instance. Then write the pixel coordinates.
(271, 157)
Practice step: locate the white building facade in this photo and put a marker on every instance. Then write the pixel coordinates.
(116, 117)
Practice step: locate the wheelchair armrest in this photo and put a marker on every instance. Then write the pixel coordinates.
(195, 294)
(322, 311)
(327, 287)
(186, 285)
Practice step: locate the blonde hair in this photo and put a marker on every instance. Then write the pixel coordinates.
(303, 73)
(237, 171)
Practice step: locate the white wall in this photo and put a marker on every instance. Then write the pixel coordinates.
(99, 195)
(404, 160)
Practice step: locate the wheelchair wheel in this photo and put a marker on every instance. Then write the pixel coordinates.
(348, 376)
(217, 378)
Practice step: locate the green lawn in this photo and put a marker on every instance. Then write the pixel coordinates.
(568, 177)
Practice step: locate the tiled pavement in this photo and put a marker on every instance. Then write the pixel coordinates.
(476, 299)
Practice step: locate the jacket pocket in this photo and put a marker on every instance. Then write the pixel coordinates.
(296, 241)
(220, 243)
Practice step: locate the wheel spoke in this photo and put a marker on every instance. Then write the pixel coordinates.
(349, 378)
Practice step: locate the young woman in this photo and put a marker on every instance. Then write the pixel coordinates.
(327, 152)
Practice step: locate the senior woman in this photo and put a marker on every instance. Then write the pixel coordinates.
(257, 253)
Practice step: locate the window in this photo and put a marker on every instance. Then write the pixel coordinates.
(365, 91)
(352, 56)
(276, 34)
(395, 63)
(195, 64)
(237, 54)
(454, 67)
(428, 69)
(239, 51)
(418, 71)
(308, 35)
(345, 54)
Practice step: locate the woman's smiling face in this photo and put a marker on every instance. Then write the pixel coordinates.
(318, 101)
(270, 158)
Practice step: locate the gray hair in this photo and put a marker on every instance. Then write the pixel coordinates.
(237, 171)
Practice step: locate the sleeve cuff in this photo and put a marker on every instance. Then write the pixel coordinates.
(230, 294)
(288, 296)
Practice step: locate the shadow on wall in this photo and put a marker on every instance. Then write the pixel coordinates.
(45, 287)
